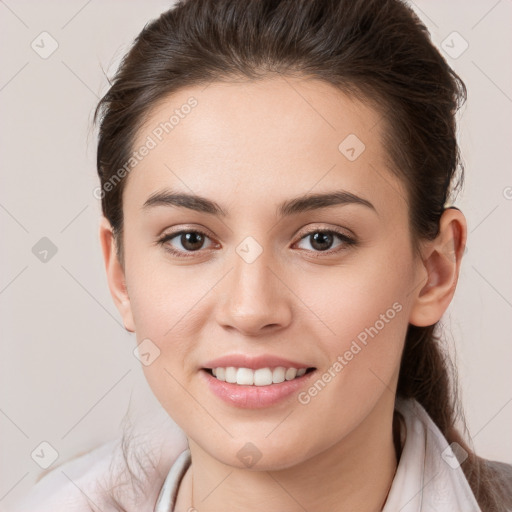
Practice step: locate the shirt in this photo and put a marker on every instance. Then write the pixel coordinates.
(428, 477)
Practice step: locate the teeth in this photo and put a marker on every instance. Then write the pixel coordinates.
(290, 374)
(245, 376)
(231, 375)
(259, 377)
(278, 375)
(262, 377)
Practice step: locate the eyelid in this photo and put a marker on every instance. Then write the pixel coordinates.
(348, 233)
(169, 231)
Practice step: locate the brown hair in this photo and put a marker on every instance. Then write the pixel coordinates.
(375, 50)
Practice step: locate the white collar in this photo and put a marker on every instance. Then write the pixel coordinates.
(428, 477)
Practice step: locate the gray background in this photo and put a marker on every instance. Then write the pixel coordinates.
(67, 371)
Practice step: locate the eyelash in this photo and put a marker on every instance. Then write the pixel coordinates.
(346, 242)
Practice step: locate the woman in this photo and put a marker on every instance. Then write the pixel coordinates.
(276, 181)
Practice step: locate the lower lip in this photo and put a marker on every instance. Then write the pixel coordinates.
(255, 397)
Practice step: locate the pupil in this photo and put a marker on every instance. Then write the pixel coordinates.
(192, 241)
(321, 238)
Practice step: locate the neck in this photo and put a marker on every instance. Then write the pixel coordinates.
(354, 474)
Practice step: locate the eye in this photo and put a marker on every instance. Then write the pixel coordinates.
(321, 240)
(187, 241)
(184, 243)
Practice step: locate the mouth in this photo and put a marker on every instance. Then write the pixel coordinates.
(259, 377)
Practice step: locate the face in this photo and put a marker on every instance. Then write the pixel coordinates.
(255, 270)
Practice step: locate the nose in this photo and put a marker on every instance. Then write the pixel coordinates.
(254, 298)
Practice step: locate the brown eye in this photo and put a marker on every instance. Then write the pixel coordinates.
(323, 240)
(192, 241)
(183, 242)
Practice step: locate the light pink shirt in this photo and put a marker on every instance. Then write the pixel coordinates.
(428, 477)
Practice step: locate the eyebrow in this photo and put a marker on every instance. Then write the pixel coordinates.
(290, 207)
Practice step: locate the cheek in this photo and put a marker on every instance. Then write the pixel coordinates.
(169, 310)
(162, 295)
(362, 350)
(351, 298)
(164, 311)
(364, 311)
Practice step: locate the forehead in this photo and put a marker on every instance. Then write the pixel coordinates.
(262, 141)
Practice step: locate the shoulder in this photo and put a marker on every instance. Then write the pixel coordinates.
(59, 489)
(501, 474)
(130, 469)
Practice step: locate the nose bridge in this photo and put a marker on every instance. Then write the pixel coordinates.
(253, 297)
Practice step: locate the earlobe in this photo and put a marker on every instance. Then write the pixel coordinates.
(115, 274)
(441, 264)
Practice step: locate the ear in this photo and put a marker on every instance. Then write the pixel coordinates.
(441, 259)
(115, 275)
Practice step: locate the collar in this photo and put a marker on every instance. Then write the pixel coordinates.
(428, 477)
(168, 492)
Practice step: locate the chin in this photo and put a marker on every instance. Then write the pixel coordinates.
(260, 457)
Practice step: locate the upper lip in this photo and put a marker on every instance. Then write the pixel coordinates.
(253, 362)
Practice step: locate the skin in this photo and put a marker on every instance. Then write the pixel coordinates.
(249, 146)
